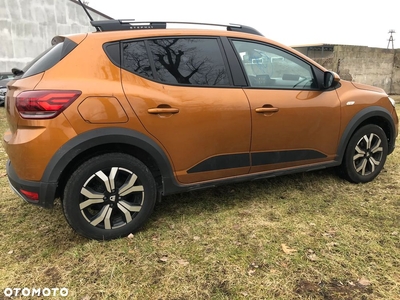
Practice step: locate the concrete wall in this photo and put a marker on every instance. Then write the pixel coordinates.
(316, 51)
(374, 66)
(27, 27)
(395, 89)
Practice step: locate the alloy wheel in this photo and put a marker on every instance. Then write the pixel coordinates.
(368, 154)
(111, 198)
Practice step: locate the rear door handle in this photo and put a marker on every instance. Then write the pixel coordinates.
(266, 110)
(163, 110)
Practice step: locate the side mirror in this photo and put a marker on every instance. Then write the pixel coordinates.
(330, 79)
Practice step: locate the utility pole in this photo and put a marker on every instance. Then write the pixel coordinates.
(391, 31)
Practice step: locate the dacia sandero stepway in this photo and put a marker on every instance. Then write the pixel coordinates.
(110, 121)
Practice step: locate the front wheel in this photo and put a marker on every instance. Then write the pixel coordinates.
(365, 154)
(109, 196)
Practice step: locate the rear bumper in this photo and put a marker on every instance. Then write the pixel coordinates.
(45, 190)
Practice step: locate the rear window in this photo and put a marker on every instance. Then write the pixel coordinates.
(49, 58)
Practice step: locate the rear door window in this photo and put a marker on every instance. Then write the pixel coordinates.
(176, 60)
(136, 59)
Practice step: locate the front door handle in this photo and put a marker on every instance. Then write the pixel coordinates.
(163, 110)
(267, 110)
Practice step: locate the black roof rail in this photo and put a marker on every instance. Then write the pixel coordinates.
(114, 25)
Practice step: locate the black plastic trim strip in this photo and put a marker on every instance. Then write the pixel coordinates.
(230, 161)
(168, 190)
(225, 59)
(276, 157)
(222, 162)
(235, 67)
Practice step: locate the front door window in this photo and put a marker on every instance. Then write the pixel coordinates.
(269, 67)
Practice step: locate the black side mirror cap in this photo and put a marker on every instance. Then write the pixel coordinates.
(330, 79)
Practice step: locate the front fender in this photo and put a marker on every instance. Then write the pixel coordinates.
(362, 116)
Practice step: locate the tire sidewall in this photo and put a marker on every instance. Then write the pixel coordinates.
(81, 175)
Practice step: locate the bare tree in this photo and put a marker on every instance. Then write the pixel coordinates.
(178, 58)
(136, 58)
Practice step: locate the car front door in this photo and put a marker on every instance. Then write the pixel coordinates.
(293, 122)
(184, 98)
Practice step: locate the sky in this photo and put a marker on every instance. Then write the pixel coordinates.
(291, 22)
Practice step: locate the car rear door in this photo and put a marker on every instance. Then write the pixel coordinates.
(182, 94)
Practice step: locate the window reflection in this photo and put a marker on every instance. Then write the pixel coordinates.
(192, 61)
(270, 67)
(188, 61)
(135, 58)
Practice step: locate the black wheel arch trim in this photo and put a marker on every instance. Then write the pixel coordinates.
(105, 136)
(358, 119)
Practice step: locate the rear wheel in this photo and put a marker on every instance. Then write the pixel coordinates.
(109, 196)
(365, 154)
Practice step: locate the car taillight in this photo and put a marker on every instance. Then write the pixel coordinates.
(44, 104)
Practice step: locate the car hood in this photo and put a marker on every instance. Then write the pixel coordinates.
(368, 87)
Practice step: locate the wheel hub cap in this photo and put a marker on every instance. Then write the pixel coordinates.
(111, 198)
(368, 154)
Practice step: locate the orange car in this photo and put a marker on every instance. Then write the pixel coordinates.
(110, 121)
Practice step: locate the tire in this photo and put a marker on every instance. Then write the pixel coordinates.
(365, 155)
(109, 196)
